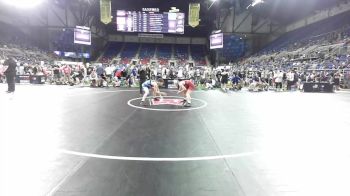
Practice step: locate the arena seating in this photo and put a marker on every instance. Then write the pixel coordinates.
(146, 53)
(198, 54)
(312, 32)
(181, 54)
(112, 51)
(164, 53)
(323, 51)
(161, 52)
(64, 41)
(234, 47)
(129, 52)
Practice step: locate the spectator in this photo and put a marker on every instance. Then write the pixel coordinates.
(10, 74)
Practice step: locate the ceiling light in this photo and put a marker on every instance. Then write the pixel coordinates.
(22, 3)
(255, 2)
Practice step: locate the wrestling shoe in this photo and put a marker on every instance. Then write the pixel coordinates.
(156, 99)
(187, 105)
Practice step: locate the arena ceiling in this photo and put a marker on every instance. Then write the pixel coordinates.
(279, 11)
(164, 5)
(287, 11)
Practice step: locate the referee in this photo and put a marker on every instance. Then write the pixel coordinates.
(143, 72)
(10, 74)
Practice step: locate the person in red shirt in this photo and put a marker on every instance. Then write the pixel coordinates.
(185, 88)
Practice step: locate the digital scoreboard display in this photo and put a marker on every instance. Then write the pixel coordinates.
(216, 41)
(82, 35)
(150, 22)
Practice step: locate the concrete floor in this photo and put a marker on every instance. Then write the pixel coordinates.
(65, 141)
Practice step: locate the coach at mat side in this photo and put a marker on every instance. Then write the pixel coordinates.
(10, 74)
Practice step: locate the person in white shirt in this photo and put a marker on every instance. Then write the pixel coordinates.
(180, 73)
(85, 76)
(109, 71)
(93, 78)
(21, 70)
(155, 72)
(279, 80)
(164, 72)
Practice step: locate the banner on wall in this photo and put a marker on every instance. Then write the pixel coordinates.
(105, 10)
(193, 15)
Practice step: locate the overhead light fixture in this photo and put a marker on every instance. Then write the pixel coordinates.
(213, 1)
(255, 2)
(216, 31)
(22, 3)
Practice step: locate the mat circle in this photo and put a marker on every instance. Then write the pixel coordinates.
(203, 105)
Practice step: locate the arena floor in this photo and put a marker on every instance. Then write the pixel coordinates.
(65, 141)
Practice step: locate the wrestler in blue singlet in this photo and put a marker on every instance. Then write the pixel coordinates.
(147, 84)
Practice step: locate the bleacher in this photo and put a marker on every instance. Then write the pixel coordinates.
(146, 53)
(234, 47)
(13, 42)
(311, 33)
(164, 53)
(322, 45)
(129, 52)
(112, 51)
(181, 54)
(198, 54)
(64, 41)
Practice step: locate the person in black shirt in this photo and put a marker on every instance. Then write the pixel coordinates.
(143, 76)
(224, 80)
(10, 74)
(56, 73)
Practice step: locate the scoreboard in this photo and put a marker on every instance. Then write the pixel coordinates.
(82, 35)
(150, 22)
(216, 41)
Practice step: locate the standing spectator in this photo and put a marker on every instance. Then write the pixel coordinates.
(10, 74)
(224, 80)
(100, 71)
(279, 80)
(84, 71)
(164, 72)
(56, 73)
(180, 74)
(21, 69)
(93, 78)
(337, 80)
(133, 75)
(109, 70)
(290, 80)
(143, 77)
(35, 70)
(67, 72)
(155, 72)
